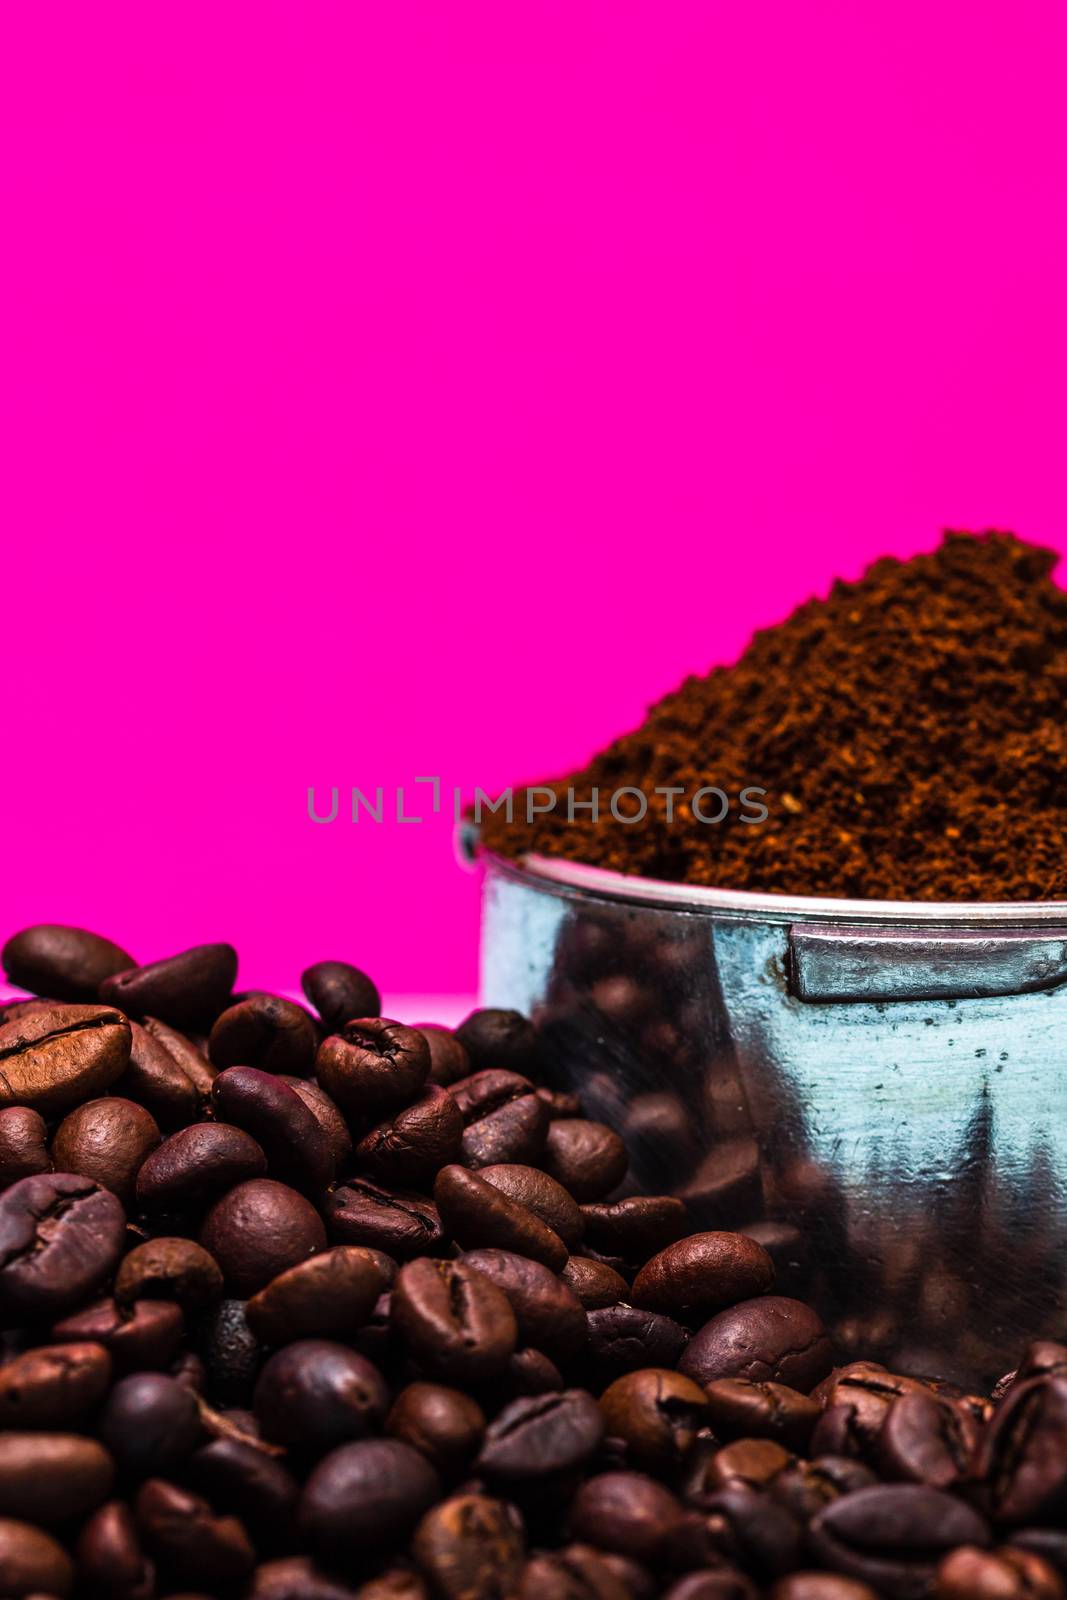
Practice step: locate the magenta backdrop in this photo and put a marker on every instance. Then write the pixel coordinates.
(422, 388)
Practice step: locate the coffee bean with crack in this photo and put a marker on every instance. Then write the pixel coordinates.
(455, 1322)
(61, 1237)
(54, 1059)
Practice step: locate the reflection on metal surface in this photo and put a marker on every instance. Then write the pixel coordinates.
(881, 1098)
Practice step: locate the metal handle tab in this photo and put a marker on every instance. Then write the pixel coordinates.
(828, 963)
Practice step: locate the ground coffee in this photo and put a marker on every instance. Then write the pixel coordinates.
(909, 731)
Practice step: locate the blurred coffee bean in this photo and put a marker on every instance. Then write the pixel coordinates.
(185, 990)
(455, 1321)
(449, 1061)
(298, 1578)
(158, 1078)
(893, 1536)
(268, 1032)
(231, 1352)
(541, 1435)
(258, 1487)
(704, 1273)
(772, 1339)
(365, 1497)
(340, 993)
(738, 1524)
(51, 1478)
(587, 1158)
(479, 1215)
(106, 1139)
(1022, 1458)
(500, 1039)
(326, 1115)
(809, 1486)
(55, 1386)
(257, 1230)
(189, 1541)
(196, 1165)
(657, 1414)
(23, 1145)
(328, 1294)
(372, 1067)
(169, 1269)
(53, 1059)
(636, 1228)
(65, 963)
(503, 1120)
(396, 1221)
(723, 1583)
(925, 1439)
(972, 1574)
(110, 1559)
(443, 1424)
(820, 1586)
(60, 1238)
(291, 1137)
(150, 1423)
(415, 1143)
(32, 1563)
(146, 1334)
(558, 1102)
(626, 1512)
(596, 1284)
(550, 1316)
(623, 1338)
(576, 1570)
(470, 1548)
(315, 1394)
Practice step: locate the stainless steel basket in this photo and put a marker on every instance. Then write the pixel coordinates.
(877, 1090)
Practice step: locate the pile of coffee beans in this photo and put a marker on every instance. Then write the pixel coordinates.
(299, 1303)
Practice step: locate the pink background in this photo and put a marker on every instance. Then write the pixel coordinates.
(421, 388)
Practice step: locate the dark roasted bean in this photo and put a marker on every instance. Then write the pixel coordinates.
(549, 1314)
(32, 1563)
(259, 1229)
(66, 963)
(1007, 1574)
(454, 1320)
(267, 1032)
(577, 1572)
(169, 1269)
(537, 1192)
(414, 1144)
(623, 1338)
(329, 1294)
(925, 1439)
(365, 1497)
(53, 1387)
(504, 1039)
(297, 1149)
(373, 1066)
(503, 1120)
(190, 1542)
(449, 1061)
(315, 1394)
(23, 1145)
(231, 1352)
(110, 1559)
(820, 1586)
(587, 1158)
(698, 1276)
(744, 1408)
(445, 1424)
(196, 1165)
(60, 1239)
(146, 1334)
(1022, 1459)
(340, 993)
(771, 1339)
(185, 990)
(52, 1477)
(150, 1423)
(892, 1536)
(539, 1435)
(657, 1414)
(470, 1548)
(252, 1482)
(106, 1139)
(595, 1283)
(478, 1215)
(394, 1220)
(628, 1513)
(158, 1078)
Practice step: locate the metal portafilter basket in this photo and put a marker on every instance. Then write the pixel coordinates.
(875, 1090)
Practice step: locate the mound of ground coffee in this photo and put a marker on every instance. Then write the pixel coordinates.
(909, 731)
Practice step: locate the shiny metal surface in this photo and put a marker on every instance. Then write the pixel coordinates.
(878, 1091)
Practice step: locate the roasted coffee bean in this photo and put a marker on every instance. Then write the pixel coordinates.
(1022, 1458)
(331, 1293)
(540, 1435)
(635, 1228)
(185, 990)
(66, 963)
(169, 1269)
(196, 1165)
(326, 1115)
(455, 1321)
(110, 1559)
(809, 1486)
(396, 1221)
(559, 1103)
(259, 1229)
(267, 1032)
(340, 993)
(373, 1066)
(397, 1583)
(587, 1158)
(695, 1277)
(820, 1586)
(857, 1400)
(315, 1394)
(470, 1548)
(925, 1439)
(108, 1140)
(623, 1338)
(657, 1414)
(724, 1583)
(23, 1145)
(743, 1526)
(298, 1152)
(449, 1061)
(742, 1408)
(256, 1485)
(595, 1283)
(1007, 1574)
(771, 1339)
(537, 1192)
(150, 1423)
(297, 1578)
(529, 1371)
(144, 1335)
(60, 1238)
(626, 1512)
(51, 1477)
(504, 1039)
(53, 1059)
(550, 1317)
(756, 1463)
(893, 1536)
(366, 1497)
(503, 1120)
(414, 1144)
(577, 1572)
(32, 1563)
(190, 1542)
(444, 1424)
(478, 1215)
(231, 1352)
(158, 1080)
(53, 1387)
